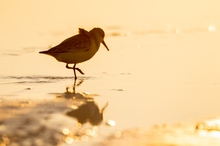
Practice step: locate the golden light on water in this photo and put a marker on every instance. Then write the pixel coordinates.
(90, 132)
(215, 134)
(69, 140)
(211, 134)
(210, 128)
(111, 123)
(214, 123)
(73, 106)
(79, 134)
(211, 28)
(66, 131)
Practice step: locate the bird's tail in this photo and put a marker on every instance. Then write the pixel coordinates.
(43, 52)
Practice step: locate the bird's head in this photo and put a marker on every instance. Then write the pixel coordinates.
(99, 35)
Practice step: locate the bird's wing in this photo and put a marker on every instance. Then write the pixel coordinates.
(77, 43)
(83, 31)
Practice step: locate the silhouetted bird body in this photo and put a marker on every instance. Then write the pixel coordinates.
(78, 48)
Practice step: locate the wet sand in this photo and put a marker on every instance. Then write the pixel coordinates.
(201, 133)
(67, 118)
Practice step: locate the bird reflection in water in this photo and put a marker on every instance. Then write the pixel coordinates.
(88, 117)
(87, 113)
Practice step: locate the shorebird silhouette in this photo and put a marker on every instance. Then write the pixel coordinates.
(78, 48)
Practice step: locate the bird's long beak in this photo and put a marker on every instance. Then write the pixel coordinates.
(103, 42)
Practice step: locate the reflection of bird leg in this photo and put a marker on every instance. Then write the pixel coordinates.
(102, 110)
(80, 82)
(74, 70)
(74, 86)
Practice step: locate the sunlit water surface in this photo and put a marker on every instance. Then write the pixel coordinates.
(145, 79)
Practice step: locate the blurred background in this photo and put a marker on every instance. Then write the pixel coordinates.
(22, 22)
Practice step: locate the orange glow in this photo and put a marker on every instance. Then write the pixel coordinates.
(163, 65)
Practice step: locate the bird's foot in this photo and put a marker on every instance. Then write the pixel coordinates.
(79, 70)
(74, 68)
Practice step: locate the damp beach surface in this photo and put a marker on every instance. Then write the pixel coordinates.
(157, 86)
(131, 95)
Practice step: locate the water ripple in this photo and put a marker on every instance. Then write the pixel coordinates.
(32, 79)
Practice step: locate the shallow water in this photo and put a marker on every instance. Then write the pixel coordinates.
(144, 80)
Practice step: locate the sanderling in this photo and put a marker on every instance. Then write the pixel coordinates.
(78, 48)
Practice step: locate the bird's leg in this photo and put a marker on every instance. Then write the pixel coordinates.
(79, 70)
(68, 67)
(74, 70)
